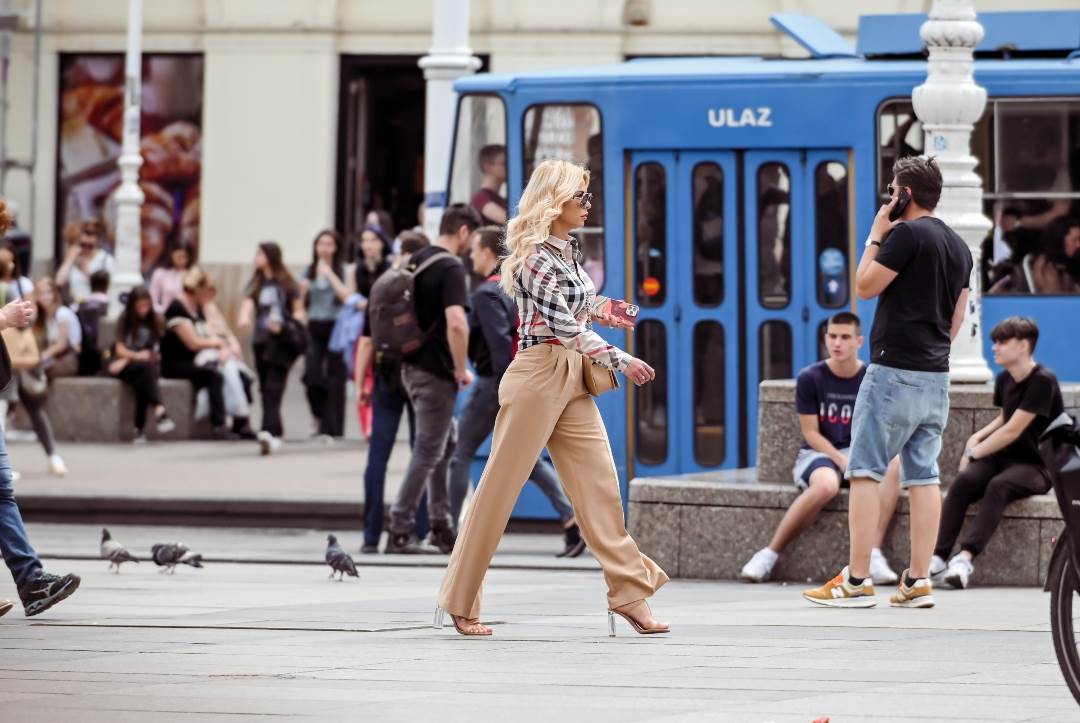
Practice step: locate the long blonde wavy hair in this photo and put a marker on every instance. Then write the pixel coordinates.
(552, 184)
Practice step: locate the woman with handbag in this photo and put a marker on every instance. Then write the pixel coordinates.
(546, 400)
(30, 386)
(273, 306)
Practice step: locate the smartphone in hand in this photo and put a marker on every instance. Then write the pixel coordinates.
(624, 311)
(902, 201)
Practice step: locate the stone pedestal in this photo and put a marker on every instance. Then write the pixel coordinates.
(971, 407)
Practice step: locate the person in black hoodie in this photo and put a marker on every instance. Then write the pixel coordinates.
(492, 343)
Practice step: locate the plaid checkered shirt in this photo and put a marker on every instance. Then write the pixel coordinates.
(556, 299)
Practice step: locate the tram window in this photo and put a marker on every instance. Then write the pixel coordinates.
(774, 235)
(709, 427)
(822, 349)
(708, 191)
(774, 348)
(831, 233)
(650, 235)
(478, 171)
(572, 132)
(651, 400)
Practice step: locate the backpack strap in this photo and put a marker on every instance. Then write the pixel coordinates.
(433, 260)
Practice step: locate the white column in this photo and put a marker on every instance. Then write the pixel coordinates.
(450, 58)
(948, 104)
(127, 269)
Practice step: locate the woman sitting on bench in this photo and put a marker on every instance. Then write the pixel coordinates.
(136, 360)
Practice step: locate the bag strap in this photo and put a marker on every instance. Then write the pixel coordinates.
(432, 261)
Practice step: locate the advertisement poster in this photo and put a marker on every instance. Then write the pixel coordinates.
(91, 122)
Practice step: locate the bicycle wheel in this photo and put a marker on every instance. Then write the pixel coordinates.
(1063, 627)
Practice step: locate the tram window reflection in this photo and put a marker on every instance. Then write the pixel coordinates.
(831, 233)
(651, 400)
(822, 349)
(709, 422)
(774, 348)
(774, 235)
(480, 135)
(572, 132)
(650, 235)
(708, 197)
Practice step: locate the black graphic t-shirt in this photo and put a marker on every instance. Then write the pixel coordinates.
(832, 398)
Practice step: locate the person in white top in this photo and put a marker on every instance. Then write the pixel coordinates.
(58, 330)
(167, 282)
(83, 259)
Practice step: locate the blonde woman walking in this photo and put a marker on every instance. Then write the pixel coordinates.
(544, 402)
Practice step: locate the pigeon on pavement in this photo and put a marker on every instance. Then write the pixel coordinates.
(170, 554)
(113, 551)
(339, 560)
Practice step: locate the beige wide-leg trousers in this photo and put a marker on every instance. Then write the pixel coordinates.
(543, 402)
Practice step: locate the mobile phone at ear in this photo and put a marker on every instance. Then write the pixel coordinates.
(902, 201)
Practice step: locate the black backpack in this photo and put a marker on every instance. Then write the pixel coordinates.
(395, 329)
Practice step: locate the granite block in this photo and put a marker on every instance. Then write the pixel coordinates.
(779, 440)
(102, 409)
(717, 541)
(777, 390)
(817, 554)
(655, 528)
(1013, 555)
(960, 427)
(690, 491)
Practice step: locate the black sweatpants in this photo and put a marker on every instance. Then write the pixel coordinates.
(272, 378)
(143, 378)
(992, 482)
(203, 378)
(324, 379)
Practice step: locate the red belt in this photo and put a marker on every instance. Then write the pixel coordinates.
(552, 340)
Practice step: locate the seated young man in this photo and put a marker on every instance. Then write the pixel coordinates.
(824, 399)
(1001, 461)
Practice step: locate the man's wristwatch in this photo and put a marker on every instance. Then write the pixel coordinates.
(871, 241)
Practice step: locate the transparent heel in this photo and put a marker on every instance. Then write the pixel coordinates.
(610, 624)
(439, 614)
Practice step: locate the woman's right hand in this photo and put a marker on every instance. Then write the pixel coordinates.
(639, 372)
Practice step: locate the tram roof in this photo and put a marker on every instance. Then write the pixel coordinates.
(650, 71)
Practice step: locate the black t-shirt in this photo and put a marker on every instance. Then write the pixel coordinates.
(365, 277)
(832, 398)
(1037, 393)
(176, 358)
(440, 286)
(914, 315)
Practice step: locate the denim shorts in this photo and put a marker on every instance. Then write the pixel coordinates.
(809, 460)
(899, 412)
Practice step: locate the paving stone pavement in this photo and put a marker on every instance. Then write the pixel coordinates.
(272, 641)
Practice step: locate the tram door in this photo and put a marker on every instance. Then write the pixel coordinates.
(738, 258)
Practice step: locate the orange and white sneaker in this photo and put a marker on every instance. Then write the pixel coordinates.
(919, 595)
(840, 593)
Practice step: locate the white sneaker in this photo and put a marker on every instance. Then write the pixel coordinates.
(880, 570)
(140, 438)
(760, 566)
(960, 569)
(937, 570)
(265, 439)
(57, 468)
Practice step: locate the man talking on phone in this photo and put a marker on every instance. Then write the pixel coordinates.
(920, 268)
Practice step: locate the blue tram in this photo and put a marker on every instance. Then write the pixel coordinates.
(733, 195)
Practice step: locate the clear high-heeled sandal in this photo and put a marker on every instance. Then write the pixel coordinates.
(470, 629)
(637, 626)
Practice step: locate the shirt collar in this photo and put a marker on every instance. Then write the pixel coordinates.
(559, 243)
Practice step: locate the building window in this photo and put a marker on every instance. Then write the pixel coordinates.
(1029, 159)
(572, 132)
(478, 169)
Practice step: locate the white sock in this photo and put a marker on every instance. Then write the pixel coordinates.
(769, 553)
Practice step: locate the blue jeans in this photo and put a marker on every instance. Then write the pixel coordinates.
(899, 412)
(14, 543)
(388, 401)
(476, 422)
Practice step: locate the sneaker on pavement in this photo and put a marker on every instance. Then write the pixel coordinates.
(880, 570)
(165, 424)
(45, 590)
(573, 545)
(958, 572)
(367, 549)
(407, 544)
(760, 566)
(5, 606)
(57, 468)
(937, 570)
(919, 595)
(840, 593)
(139, 438)
(268, 443)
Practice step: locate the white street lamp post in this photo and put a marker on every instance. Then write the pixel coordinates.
(450, 58)
(948, 104)
(129, 197)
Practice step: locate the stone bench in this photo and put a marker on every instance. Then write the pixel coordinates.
(708, 525)
(102, 409)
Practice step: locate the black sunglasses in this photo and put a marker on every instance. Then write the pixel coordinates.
(583, 198)
(890, 188)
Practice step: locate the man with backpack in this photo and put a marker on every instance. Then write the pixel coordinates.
(418, 313)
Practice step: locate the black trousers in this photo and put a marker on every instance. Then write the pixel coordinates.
(272, 378)
(992, 482)
(143, 378)
(324, 379)
(203, 378)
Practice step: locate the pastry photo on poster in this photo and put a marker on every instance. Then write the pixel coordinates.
(90, 130)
